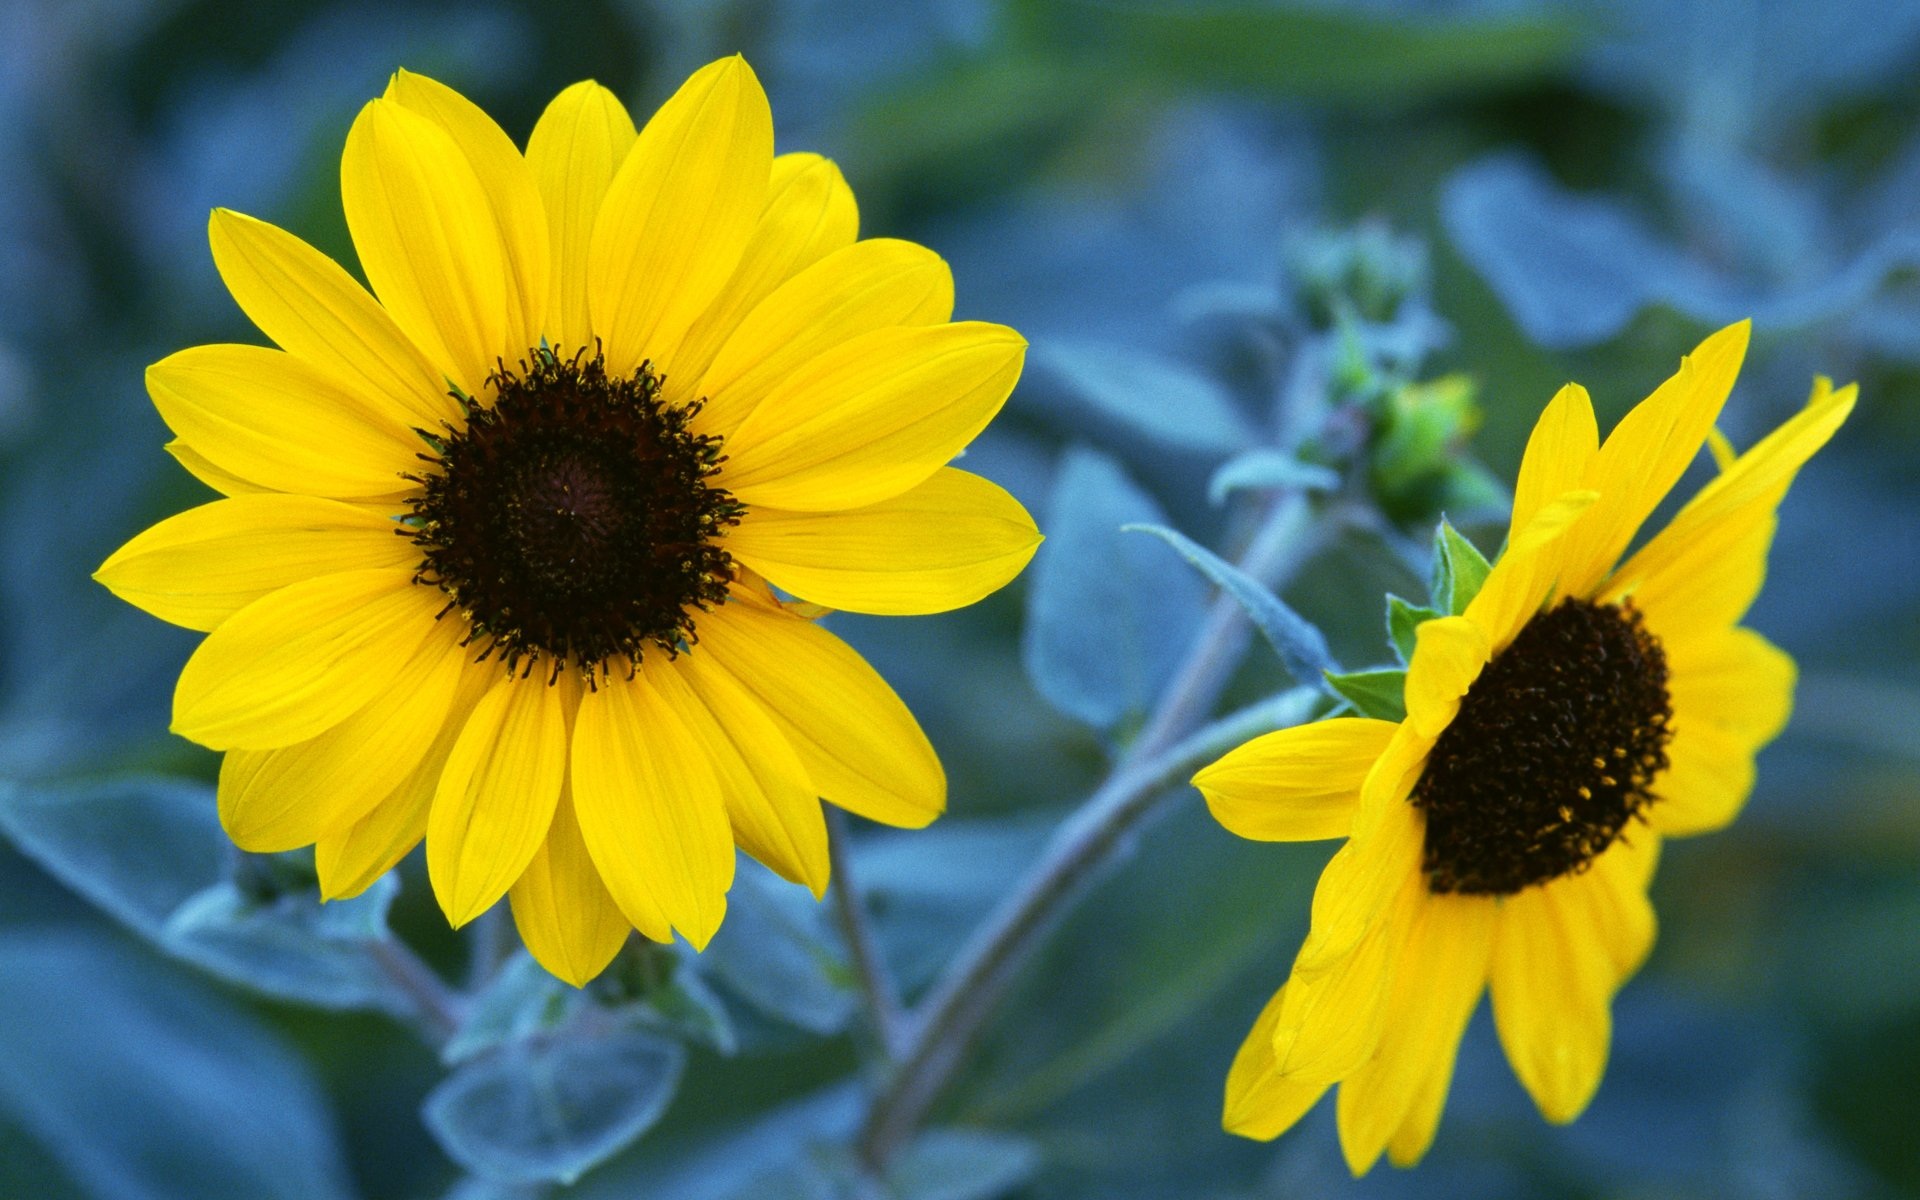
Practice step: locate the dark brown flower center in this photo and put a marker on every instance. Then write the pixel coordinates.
(1555, 749)
(574, 518)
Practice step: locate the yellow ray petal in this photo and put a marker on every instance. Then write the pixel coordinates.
(1437, 982)
(1410, 1143)
(1646, 454)
(1383, 851)
(496, 795)
(273, 800)
(520, 218)
(810, 213)
(299, 661)
(650, 808)
(938, 546)
(315, 311)
(860, 745)
(565, 914)
(678, 214)
(200, 567)
(1448, 655)
(1708, 778)
(873, 416)
(427, 239)
(350, 858)
(1562, 445)
(196, 464)
(1703, 570)
(1336, 1009)
(772, 803)
(576, 148)
(1298, 784)
(1261, 1103)
(870, 285)
(1529, 570)
(271, 419)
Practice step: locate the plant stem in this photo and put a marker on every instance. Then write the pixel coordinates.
(876, 984)
(437, 1008)
(965, 994)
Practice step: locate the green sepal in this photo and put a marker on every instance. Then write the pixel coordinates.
(1459, 569)
(1379, 693)
(1403, 618)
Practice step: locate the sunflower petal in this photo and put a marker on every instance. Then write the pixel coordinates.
(1562, 445)
(1363, 877)
(520, 218)
(870, 285)
(1449, 654)
(496, 795)
(427, 239)
(576, 148)
(860, 745)
(1262, 1103)
(1410, 1143)
(200, 567)
(196, 464)
(772, 803)
(274, 800)
(1529, 571)
(651, 809)
(297, 662)
(873, 416)
(565, 914)
(271, 419)
(1298, 784)
(937, 547)
(810, 213)
(1336, 1009)
(679, 213)
(315, 311)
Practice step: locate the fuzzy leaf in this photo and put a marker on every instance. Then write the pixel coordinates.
(1380, 693)
(1459, 569)
(1402, 619)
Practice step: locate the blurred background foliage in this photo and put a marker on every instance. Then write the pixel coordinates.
(1429, 213)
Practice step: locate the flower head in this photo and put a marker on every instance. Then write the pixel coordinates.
(494, 563)
(1574, 713)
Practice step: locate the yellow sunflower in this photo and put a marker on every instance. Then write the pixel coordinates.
(493, 564)
(1502, 836)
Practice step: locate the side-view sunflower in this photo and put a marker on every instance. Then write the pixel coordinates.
(494, 563)
(1502, 836)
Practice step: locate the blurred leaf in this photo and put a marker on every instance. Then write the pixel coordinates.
(143, 1085)
(1402, 619)
(1262, 470)
(1150, 397)
(519, 1002)
(1301, 646)
(1379, 693)
(779, 953)
(1459, 569)
(1107, 623)
(962, 1164)
(552, 1106)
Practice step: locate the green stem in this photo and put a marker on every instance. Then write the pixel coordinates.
(877, 988)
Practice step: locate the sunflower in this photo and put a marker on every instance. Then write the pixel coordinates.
(1503, 834)
(496, 561)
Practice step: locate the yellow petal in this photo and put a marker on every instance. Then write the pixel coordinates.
(651, 809)
(577, 146)
(873, 416)
(1383, 851)
(1735, 682)
(520, 218)
(1646, 454)
(349, 859)
(565, 914)
(200, 567)
(772, 804)
(299, 661)
(810, 213)
(939, 546)
(1562, 445)
(1437, 982)
(427, 239)
(196, 464)
(1529, 571)
(1336, 1009)
(273, 800)
(1703, 570)
(678, 214)
(870, 285)
(1410, 1143)
(1261, 1103)
(1557, 960)
(1298, 784)
(1448, 655)
(496, 795)
(860, 745)
(318, 313)
(271, 419)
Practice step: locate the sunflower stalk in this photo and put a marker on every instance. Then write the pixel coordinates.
(1167, 749)
(878, 991)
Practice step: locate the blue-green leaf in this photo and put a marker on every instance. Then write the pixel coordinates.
(551, 1107)
(1379, 693)
(1300, 645)
(1152, 397)
(1107, 623)
(778, 953)
(1269, 469)
(1403, 619)
(1458, 569)
(962, 1164)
